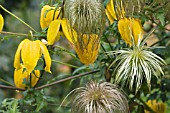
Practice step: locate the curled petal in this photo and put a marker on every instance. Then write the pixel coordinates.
(47, 15)
(30, 54)
(69, 33)
(109, 16)
(1, 22)
(130, 30)
(53, 30)
(137, 30)
(17, 58)
(20, 75)
(125, 30)
(46, 56)
(87, 48)
(110, 11)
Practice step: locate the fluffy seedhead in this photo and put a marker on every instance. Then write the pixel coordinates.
(99, 98)
(85, 16)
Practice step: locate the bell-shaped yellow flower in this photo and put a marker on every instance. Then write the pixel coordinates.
(130, 30)
(115, 11)
(48, 14)
(85, 45)
(157, 107)
(21, 74)
(87, 48)
(29, 53)
(1, 22)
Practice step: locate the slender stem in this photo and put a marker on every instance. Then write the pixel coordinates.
(65, 50)
(17, 18)
(11, 87)
(4, 81)
(65, 64)
(160, 41)
(51, 84)
(105, 51)
(18, 34)
(66, 79)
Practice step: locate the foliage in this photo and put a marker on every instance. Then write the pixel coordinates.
(107, 53)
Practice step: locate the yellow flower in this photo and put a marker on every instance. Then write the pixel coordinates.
(87, 48)
(115, 11)
(130, 30)
(53, 22)
(1, 22)
(29, 52)
(157, 107)
(85, 45)
(47, 15)
(21, 74)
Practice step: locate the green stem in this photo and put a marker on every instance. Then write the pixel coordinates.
(65, 64)
(105, 51)
(17, 34)
(65, 50)
(17, 18)
(2, 80)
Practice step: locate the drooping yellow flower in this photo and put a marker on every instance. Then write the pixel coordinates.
(53, 22)
(47, 15)
(29, 52)
(21, 74)
(130, 30)
(88, 47)
(1, 22)
(157, 107)
(115, 10)
(85, 45)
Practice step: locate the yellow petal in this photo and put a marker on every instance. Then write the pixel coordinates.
(111, 10)
(46, 56)
(87, 48)
(1, 22)
(69, 33)
(20, 75)
(17, 58)
(137, 30)
(53, 31)
(30, 54)
(35, 77)
(125, 30)
(47, 15)
(109, 16)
